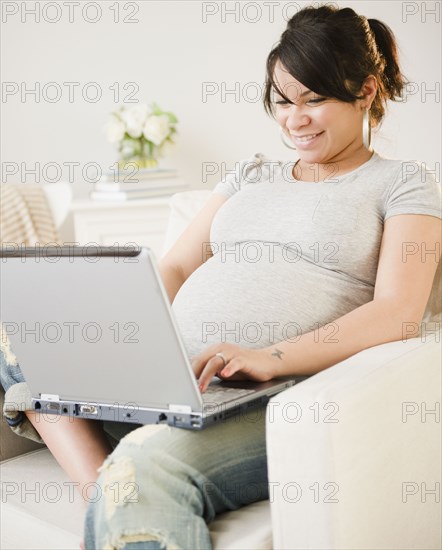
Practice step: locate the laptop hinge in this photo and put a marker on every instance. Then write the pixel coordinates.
(49, 397)
(183, 409)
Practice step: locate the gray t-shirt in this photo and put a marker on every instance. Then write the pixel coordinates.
(290, 256)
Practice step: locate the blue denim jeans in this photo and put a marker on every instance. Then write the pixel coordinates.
(161, 486)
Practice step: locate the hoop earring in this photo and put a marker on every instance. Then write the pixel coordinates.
(366, 129)
(282, 136)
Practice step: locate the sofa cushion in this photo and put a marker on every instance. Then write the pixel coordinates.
(41, 509)
(184, 207)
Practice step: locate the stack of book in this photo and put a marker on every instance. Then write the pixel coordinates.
(136, 184)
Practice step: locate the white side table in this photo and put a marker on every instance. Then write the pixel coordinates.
(142, 222)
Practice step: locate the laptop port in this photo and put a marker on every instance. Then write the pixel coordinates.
(53, 406)
(162, 418)
(88, 409)
(196, 421)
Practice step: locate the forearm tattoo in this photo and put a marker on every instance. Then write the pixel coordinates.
(278, 353)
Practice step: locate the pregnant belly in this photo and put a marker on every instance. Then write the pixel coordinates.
(256, 304)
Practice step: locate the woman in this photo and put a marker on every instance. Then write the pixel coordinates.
(327, 80)
(330, 281)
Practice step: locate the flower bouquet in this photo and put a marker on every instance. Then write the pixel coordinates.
(141, 132)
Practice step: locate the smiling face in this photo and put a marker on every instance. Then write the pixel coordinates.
(323, 130)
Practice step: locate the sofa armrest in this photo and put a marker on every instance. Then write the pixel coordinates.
(11, 444)
(354, 452)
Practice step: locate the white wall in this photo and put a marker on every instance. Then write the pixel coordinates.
(170, 53)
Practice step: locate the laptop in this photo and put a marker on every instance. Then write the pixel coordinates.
(95, 337)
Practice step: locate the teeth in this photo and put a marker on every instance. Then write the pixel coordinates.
(307, 138)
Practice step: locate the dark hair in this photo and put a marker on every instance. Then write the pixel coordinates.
(331, 51)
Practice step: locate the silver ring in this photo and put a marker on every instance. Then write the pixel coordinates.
(219, 354)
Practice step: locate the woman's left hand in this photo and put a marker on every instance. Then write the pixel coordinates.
(241, 364)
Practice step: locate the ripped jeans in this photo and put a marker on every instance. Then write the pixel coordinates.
(161, 486)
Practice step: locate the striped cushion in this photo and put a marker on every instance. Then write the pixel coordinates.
(25, 216)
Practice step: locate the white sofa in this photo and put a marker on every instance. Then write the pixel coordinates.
(353, 455)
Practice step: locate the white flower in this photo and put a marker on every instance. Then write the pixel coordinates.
(115, 129)
(157, 128)
(135, 118)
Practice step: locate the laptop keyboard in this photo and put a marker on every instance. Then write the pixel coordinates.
(216, 394)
